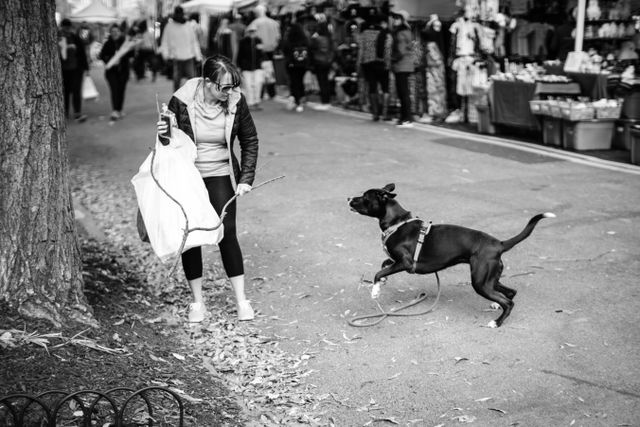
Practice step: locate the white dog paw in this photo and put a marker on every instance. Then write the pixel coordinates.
(492, 324)
(495, 306)
(375, 290)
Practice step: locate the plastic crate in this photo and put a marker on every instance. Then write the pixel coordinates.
(572, 113)
(536, 106)
(552, 131)
(609, 112)
(635, 145)
(588, 135)
(622, 134)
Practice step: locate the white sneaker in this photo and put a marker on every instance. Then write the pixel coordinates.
(425, 119)
(454, 117)
(197, 311)
(245, 312)
(322, 107)
(299, 109)
(405, 125)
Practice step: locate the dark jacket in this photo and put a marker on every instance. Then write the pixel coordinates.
(76, 54)
(321, 48)
(110, 48)
(249, 56)
(182, 104)
(402, 50)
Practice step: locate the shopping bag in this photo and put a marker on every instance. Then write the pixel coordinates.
(163, 214)
(269, 72)
(89, 90)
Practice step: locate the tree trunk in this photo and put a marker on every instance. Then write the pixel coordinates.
(40, 265)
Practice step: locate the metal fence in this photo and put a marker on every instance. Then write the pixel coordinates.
(117, 407)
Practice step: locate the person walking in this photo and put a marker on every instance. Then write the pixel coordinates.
(296, 52)
(180, 45)
(145, 54)
(268, 30)
(249, 61)
(436, 86)
(322, 52)
(374, 58)
(74, 66)
(402, 64)
(116, 53)
(226, 42)
(213, 112)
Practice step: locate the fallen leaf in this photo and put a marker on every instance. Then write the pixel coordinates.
(497, 410)
(460, 359)
(484, 399)
(118, 323)
(178, 356)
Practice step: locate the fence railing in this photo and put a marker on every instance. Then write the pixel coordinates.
(117, 407)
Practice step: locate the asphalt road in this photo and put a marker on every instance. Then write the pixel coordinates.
(567, 355)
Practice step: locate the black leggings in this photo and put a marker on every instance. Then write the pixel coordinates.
(220, 191)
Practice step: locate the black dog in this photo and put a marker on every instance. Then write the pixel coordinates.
(444, 245)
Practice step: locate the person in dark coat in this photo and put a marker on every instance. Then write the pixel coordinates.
(322, 53)
(295, 47)
(74, 66)
(116, 56)
(250, 57)
(213, 112)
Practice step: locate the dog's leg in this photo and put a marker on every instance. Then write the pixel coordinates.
(484, 278)
(375, 290)
(509, 293)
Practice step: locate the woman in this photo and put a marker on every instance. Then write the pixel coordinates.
(322, 51)
(374, 57)
(402, 65)
(250, 58)
(212, 111)
(295, 47)
(116, 53)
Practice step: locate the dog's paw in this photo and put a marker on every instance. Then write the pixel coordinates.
(492, 324)
(494, 306)
(375, 290)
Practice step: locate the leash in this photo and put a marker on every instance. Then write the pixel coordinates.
(188, 230)
(357, 321)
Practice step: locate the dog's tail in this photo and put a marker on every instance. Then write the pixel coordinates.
(508, 244)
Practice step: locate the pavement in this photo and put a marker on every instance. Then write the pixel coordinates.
(567, 355)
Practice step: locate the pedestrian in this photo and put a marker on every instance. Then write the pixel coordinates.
(180, 45)
(322, 53)
(268, 30)
(226, 42)
(74, 62)
(296, 52)
(213, 112)
(145, 54)
(250, 58)
(116, 54)
(402, 64)
(374, 59)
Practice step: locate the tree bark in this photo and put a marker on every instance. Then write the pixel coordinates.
(40, 264)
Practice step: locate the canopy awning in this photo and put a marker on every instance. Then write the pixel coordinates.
(95, 12)
(216, 6)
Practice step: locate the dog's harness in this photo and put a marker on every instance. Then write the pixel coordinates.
(424, 230)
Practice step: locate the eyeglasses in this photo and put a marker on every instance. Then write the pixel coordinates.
(225, 88)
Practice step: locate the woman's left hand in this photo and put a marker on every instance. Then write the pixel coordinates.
(242, 189)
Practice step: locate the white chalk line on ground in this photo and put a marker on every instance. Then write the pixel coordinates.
(556, 153)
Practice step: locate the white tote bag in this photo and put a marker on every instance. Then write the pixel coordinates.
(174, 168)
(89, 90)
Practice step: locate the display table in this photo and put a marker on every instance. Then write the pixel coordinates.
(509, 100)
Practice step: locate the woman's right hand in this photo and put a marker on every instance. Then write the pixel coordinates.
(162, 127)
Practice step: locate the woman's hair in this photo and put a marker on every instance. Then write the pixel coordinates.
(215, 67)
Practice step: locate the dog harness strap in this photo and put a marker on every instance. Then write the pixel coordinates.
(423, 233)
(389, 231)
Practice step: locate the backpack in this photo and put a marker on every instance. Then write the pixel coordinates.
(300, 56)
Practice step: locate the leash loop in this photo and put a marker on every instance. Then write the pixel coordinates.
(357, 321)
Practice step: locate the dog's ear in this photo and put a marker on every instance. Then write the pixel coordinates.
(389, 188)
